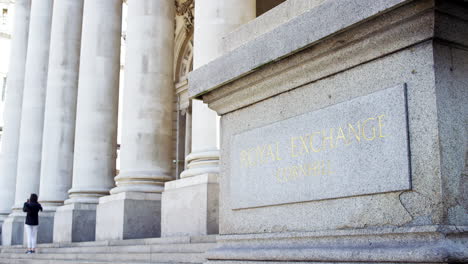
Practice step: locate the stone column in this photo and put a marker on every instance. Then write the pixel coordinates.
(60, 110)
(32, 117)
(184, 213)
(12, 112)
(147, 125)
(96, 121)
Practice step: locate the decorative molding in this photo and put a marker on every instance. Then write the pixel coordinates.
(185, 65)
(185, 9)
(186, 62)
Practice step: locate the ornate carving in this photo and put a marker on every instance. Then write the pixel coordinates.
(185, 9)
(187, 60)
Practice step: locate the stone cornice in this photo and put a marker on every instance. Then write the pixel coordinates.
(298, 33)
(229, 88)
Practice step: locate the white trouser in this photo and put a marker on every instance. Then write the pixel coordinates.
(31, 233)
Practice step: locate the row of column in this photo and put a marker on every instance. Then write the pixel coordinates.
(61, 115)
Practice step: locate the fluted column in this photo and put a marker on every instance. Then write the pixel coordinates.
(96, 120)
(147, 123)
(190, 204)
(32, 115)
(60, 109)
(13, 104)
(213, 19)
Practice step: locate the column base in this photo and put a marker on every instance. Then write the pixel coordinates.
(45, 230)
(202, 162)
(128, 215)
(13, 229)
(190, 206)
(75, 222)
(2, 219)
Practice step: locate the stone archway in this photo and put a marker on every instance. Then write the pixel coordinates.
(183, 64)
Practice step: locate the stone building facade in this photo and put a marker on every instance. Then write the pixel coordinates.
(300, 130)
(6, 16)
(48, 57)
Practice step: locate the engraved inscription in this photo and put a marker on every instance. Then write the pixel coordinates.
(352, 148)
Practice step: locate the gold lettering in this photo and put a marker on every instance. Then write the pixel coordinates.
(293, 147)
(279, 175)
(323, 168)
(330, 138)
(271, 154)
(293, 172)
(364, 130)
(380, 117)
(277, 151)
(244, 159)
(302, 170)
(315, 168)
(259, 151)
(358, 134)
(252, 162)
(304, 144)
(311, 142)
(342, 137)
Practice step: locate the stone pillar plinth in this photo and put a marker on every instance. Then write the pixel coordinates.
(200, 197)
(96, 119)
(12, 109)
(344, 135)
(32, 118)
(75, 222)
(213, 19)
(128, 215)
(147, 125)
(60, 109)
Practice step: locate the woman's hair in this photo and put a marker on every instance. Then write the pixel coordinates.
(33, 198)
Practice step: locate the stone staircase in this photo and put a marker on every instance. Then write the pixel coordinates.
(135, 251)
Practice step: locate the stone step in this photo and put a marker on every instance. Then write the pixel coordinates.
(129, 242)
(114, 257)
(136, 251)
(155, 248)
(45, 261)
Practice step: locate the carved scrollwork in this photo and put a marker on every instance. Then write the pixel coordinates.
(185, 9)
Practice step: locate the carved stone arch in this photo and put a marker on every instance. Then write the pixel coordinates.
(183, 48)
(183, 64)
(184, 56)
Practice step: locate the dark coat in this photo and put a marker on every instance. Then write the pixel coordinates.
(32, 210)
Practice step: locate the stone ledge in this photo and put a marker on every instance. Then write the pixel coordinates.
(130, 196)
(428, 244)
(441, 229)
(315, 24)
(76, 206)
(206, 178)
(410, 24)
(266, 22)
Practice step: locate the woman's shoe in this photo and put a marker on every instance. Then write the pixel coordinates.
(28, 252)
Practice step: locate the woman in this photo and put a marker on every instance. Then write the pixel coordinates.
(32, 208)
